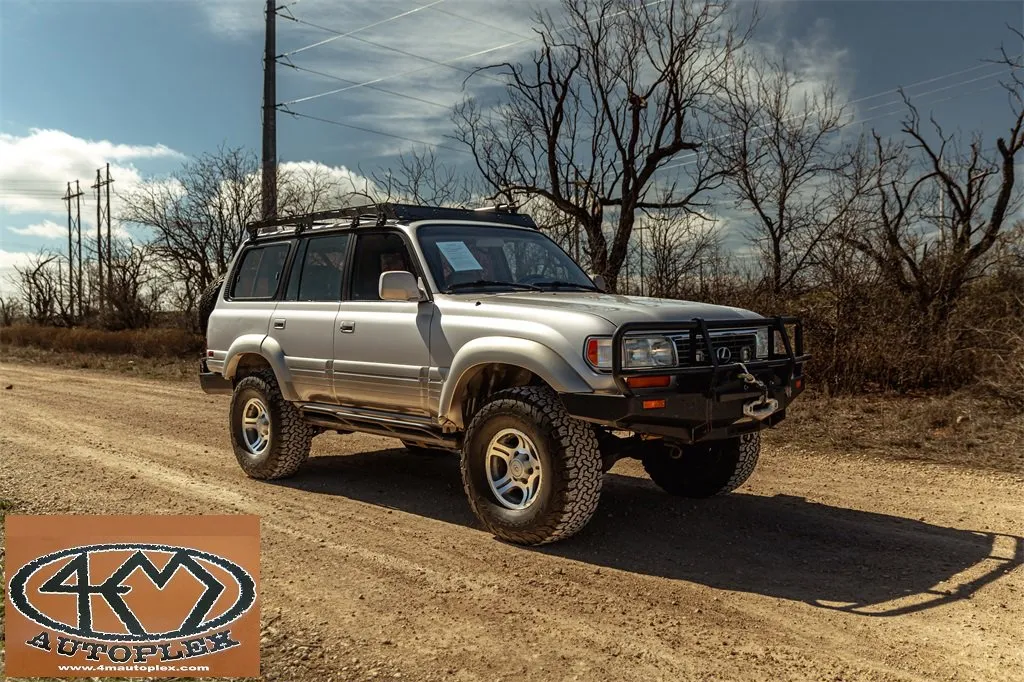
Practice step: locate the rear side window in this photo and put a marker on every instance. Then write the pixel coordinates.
(259, 273)
(320, 274)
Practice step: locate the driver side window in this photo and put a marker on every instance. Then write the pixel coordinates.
(377, 253)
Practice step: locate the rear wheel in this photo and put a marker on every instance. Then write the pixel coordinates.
(531, 471)
(706, 469)
(268, 435)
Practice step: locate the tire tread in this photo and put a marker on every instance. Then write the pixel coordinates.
(578, 453)
(290, 443)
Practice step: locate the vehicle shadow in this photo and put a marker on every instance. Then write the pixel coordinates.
(781, 546)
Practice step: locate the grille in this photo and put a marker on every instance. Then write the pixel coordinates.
(741, 348)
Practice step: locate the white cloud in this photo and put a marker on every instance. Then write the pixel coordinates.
(35, 168)
(341, 177)
(46, 229)
(8, 261)
(443, 32)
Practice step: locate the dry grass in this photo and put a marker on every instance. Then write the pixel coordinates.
(976, 429)
(961, 429)
(173, 369)
(146, 343)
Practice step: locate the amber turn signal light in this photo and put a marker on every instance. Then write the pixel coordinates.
(659, 381)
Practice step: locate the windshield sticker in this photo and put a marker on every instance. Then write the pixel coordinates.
(459, 256)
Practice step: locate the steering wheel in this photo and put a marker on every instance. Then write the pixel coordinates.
(533, 279)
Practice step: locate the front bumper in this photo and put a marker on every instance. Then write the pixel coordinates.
(703, 403)
(686, 417)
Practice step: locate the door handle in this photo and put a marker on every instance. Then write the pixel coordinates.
(347, 327)
(279, 323)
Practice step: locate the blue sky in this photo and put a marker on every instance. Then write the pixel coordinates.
(144, 84)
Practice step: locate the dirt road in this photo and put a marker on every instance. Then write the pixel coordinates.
(824, 566)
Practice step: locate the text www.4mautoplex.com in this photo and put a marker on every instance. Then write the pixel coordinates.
(134, 668)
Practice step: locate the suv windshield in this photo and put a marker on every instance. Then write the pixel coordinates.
(471, 257)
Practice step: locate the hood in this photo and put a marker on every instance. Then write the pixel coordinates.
(619, 309)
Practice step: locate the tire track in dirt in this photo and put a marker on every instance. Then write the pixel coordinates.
(375, 551)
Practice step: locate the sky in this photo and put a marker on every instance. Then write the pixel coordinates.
(146, 84)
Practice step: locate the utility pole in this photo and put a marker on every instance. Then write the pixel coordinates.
(74, 264)
(110, 244)
(269, 187)
(99, 244)
(102, 215)
(78, 238)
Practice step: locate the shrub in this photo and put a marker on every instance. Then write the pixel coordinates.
(147, 343)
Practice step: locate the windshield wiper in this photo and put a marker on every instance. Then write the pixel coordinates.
(490, 283)
(559, 285)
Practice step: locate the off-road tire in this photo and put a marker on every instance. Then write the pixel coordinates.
(207, 302)
(290, 435)
(570, 459)
(424, 450)
(704, 470)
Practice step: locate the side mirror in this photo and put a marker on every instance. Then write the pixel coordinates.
(398, 285)
(599, 282)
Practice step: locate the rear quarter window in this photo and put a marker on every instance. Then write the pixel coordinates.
(259, 273)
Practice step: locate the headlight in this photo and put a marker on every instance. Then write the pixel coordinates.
(648, 351)
(761, 350)
(637, 352)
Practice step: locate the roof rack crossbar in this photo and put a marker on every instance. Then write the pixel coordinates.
(381, 213)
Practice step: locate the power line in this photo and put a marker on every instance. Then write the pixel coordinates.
(390, 48)
(284, 109)
(339, 35)
(870, 118)
(933, 91)
(30, 192)
(446, 62)
(289, 64)
(472, 20)
(694, 155)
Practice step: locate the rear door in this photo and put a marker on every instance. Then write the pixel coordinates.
(381, 347)
(304, 321)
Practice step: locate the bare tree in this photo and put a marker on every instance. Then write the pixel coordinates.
(137, 288)
(11, 310)
(309, 187)
(676, 248)
(935, 228)
(608, 100)
(198, 217)
(420, 177)
(786, 164)
(39, 286)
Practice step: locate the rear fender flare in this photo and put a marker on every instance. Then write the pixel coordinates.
(267, 348)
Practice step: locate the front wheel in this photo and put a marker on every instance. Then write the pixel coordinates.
(531, 471)
(706, 469)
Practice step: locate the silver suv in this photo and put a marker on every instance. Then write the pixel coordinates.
(473, 332)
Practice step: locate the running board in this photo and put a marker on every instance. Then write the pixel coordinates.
(406, 427)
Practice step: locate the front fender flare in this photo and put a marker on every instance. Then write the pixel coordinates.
(530, 355)
(268, 349)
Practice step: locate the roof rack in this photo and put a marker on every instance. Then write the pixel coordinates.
(381, 214)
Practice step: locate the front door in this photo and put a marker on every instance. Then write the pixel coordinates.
(381, 347)
(305, 321)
